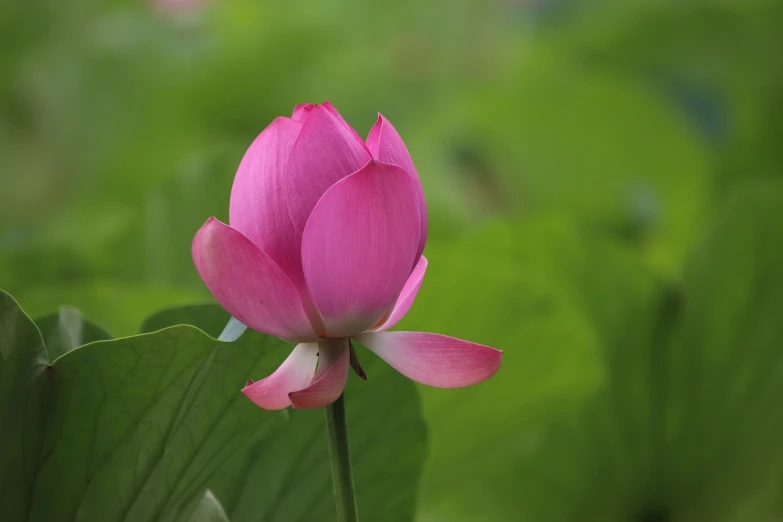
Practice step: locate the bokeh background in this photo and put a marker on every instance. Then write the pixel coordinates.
(605, 196)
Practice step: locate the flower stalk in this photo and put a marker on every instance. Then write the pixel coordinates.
(342, 476)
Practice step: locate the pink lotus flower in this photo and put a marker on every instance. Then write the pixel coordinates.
(324, 245)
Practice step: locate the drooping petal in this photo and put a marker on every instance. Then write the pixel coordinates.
(294, 374)
(329, 381)
(258, 207)
(359, 245)
(248, 283)
(324, 152)
(407, 296)
(386, 145)
(433, 359)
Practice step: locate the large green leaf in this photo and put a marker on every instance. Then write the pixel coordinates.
(139, 428)
(387, 445)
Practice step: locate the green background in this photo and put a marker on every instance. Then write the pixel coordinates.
(605, 195)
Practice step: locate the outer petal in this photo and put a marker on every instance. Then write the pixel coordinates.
(433, 359)
(295, 373)
(258, 207)
(386, 145)
(248, 284)
(359, 245)
(324, 152)
(329, 380)
(407, 296)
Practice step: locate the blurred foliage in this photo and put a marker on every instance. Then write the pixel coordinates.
(661, 406)
(603, 184)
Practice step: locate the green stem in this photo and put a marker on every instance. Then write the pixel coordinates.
(342, 477)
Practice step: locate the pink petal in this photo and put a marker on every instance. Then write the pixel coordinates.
(433, 359)
(407, 296)
(386, 145)
(359, 246)
(248, 283)
(258, 207)
(301, 112)
(329, 381)
(324, 153)
(329, 107)
(295, 373)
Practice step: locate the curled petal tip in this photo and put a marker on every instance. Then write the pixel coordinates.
(295, 373)
(329, 381)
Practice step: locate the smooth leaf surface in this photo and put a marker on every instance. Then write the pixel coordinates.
(143, 426)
